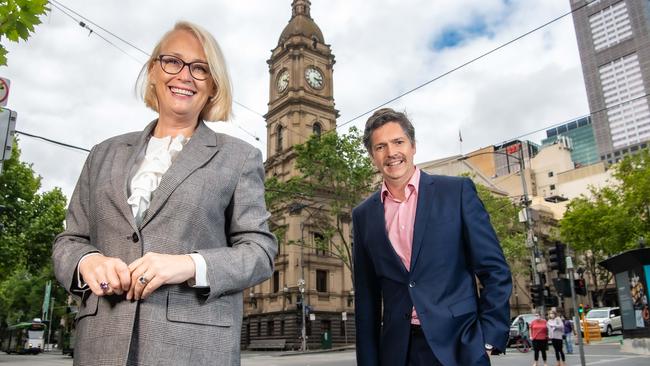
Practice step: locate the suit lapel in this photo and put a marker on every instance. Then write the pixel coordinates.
(377, 215)
(422, 213)
(200, 149)
(124, 162)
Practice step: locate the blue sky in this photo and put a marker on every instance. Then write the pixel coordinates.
(73, 87)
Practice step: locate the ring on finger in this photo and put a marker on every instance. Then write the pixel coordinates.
(143, 279)
(103, 285)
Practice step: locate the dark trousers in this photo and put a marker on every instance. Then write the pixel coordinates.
(420, 353)
(557, 346)
(539, 346)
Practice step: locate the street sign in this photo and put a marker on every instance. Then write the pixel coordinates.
(344, 316)
(4, 91)
(312, 316)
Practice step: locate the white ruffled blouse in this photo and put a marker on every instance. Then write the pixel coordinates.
(158, 157)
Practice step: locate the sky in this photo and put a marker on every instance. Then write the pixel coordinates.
(70, 85)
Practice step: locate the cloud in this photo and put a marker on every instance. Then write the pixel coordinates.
(72, 86)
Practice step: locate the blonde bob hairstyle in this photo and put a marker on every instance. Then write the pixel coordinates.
(218, 106)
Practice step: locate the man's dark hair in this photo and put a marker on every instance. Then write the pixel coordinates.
(380, 118)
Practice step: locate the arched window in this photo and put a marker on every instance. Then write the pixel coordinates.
(279, 138)
(317, 129)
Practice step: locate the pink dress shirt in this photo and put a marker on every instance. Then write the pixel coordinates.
(400, 221)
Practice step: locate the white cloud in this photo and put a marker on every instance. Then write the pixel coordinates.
(74, 87)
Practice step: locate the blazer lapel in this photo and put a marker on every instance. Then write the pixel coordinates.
(201, 148)
(377, 215)
(423, 211)
(124, 163)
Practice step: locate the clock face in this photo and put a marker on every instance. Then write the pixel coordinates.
(283, 81)
(314, 77)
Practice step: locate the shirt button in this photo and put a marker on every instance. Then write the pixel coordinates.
(411, 284)
(135, 237)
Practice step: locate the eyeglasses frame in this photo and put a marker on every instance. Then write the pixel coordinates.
(188, 64)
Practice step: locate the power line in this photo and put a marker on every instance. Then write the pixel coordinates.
(52, 141)
(85, 26)
(462, 65)
(59, 7)
(54, 2)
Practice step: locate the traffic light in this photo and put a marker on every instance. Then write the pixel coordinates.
(581, 310)
(556, 257)
(537, 295)
(551, 301)
(580, 286)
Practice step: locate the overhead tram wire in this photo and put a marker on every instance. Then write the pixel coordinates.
(92, 31)
(54, 2)
(52, 141)
(462, 65)
(81, 23)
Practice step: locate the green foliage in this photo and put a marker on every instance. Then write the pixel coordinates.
(612, 219)
(29, 222)
(18, 19)
(335, 175)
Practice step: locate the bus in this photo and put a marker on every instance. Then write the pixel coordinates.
(24, 337)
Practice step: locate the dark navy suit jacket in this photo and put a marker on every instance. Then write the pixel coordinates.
(453, 245)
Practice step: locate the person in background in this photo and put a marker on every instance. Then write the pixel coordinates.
(167, 226)
(568, 335)
(556, 333)
(539, 335)
(523, 329)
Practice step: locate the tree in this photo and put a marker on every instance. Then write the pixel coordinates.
(29, 222)
(18, 19)
(610, 220)
(335, 175)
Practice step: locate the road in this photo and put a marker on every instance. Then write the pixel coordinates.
(605, 355)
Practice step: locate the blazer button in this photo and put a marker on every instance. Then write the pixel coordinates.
(135, 237)
(407, 316)
(411, 284)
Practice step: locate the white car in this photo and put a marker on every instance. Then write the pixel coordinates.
(609, 319)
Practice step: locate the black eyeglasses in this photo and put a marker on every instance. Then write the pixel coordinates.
(173, 65)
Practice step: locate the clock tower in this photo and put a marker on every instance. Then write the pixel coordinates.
(301, 101)
(309, 298)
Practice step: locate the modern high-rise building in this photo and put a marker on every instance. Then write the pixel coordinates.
(579, 136)
(614, 43)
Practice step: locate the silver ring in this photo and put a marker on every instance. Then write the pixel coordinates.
(143, 280)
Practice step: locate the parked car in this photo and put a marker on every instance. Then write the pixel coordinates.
(609, 319)
(514, 328)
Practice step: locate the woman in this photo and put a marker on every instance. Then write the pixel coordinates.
(539, 335)
(167, 226)
(556, 332)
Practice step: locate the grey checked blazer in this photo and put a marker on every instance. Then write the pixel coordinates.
(210, 201)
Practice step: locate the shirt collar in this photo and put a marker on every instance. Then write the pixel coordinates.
(411, 187)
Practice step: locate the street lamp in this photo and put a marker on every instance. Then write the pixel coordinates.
(530, 240)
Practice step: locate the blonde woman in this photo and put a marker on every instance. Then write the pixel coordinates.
(167, 226)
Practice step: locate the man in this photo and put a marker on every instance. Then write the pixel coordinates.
(420, 244)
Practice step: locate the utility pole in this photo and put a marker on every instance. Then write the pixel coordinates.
(574, 304)
(530, 234)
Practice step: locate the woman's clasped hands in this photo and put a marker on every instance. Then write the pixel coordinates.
(110, 275)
